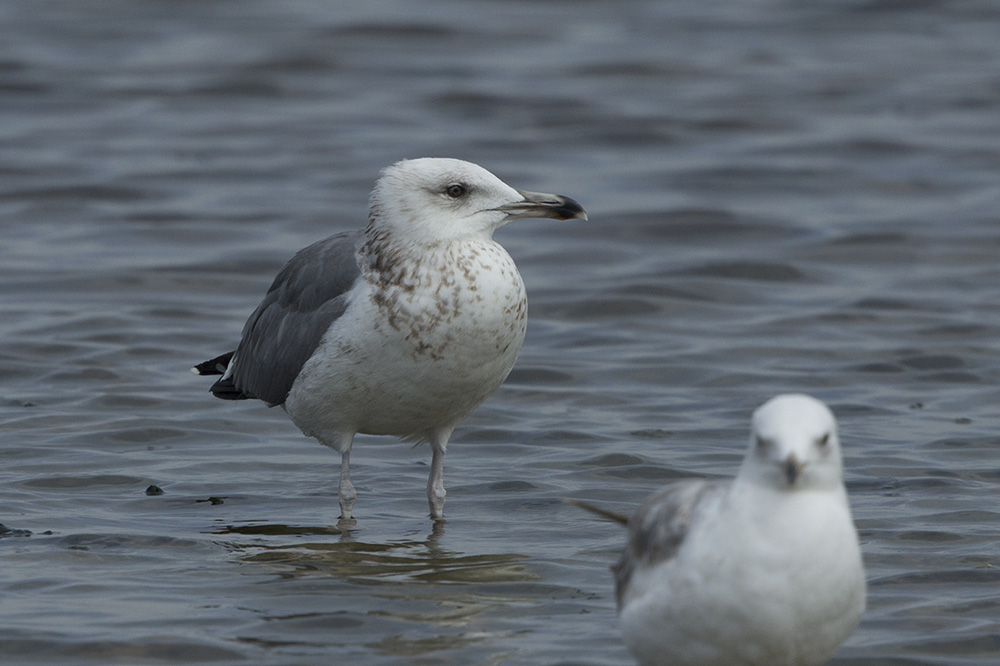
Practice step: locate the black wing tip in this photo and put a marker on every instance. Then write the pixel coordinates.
(215, 366)
(224, 388)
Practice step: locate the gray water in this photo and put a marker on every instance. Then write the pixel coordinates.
(784, 196)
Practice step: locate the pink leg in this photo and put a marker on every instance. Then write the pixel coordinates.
(435, 482)
(347, 494)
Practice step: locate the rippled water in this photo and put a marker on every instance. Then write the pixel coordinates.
(783, 196)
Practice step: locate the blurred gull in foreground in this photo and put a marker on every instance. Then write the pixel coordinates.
(763, 570)
(402, 328)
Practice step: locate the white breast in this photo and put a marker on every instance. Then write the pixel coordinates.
(449, 325)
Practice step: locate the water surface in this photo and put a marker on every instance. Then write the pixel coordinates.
(784, 196)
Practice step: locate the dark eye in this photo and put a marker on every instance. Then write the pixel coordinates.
(824, 440)
(455, 190)
(763, 442)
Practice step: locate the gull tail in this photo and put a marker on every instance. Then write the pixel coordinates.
(613, 516)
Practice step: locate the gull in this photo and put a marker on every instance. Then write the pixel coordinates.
(762, 570)
(402, 328)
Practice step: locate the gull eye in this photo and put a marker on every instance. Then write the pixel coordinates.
(824, 440)
(763, 443)
(455, 190)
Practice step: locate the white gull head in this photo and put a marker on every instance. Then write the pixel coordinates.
(432, 200)
(793, 445)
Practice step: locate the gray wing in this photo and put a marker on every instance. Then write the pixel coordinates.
(659, 527)
(307, 296)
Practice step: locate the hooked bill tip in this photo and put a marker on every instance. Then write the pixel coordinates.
(570, 209)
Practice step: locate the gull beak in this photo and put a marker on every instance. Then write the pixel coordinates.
(538, 204)
(792, 468)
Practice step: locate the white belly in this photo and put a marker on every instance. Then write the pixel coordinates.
(408, 358)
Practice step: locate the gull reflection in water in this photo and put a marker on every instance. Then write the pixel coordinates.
(405, 597)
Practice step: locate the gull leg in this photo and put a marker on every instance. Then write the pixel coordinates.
(347, 494)
(435, 482)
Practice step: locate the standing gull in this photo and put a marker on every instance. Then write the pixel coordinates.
(402, 328)
(764, 570)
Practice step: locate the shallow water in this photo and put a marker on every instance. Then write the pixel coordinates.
(783, 196)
